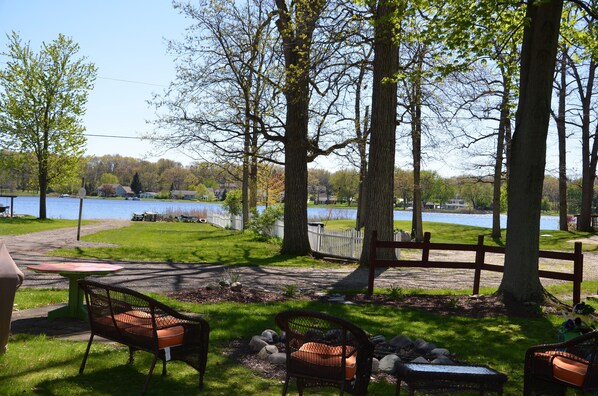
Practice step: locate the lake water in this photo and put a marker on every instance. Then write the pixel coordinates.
(68, 208)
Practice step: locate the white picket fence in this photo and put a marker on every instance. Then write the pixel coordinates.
(346, 244)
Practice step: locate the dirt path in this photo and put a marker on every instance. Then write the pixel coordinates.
(164, 277)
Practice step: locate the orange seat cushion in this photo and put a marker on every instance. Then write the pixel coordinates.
(140, 323)
(569, 371)
(329, 356)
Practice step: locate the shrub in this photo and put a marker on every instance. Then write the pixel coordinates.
(261, 223)
(233, 203)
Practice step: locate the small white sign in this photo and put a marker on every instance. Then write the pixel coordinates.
(82, 192)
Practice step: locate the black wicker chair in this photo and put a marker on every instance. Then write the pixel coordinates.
(571, 363)
(323, 350)
(142, 323)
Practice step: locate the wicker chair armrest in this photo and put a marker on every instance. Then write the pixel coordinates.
(196, 319)
(563, 347)
(564, 344)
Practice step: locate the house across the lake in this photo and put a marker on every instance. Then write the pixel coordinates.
(115, 190)
(148, 194)
(183, 194)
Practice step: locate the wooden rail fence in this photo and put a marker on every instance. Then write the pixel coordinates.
(477, 266)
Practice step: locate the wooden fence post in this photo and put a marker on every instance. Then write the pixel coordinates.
(372, 265)
(426, 248)
(577, 273)
(480, 256)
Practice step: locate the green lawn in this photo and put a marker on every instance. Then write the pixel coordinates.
(456, 233)
(185, 243)
(36, 364)
(203, 243)
(25, 225)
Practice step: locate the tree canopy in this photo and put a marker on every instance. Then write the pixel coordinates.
(42, 101)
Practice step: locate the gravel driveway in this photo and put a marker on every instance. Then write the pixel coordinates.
(31, 249)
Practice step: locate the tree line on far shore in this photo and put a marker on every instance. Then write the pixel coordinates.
(324, 187)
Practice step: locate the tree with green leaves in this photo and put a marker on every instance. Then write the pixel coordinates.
(136, 184)
(345, 184)
(41, 104)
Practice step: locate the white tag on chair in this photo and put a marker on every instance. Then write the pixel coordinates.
(167, 353)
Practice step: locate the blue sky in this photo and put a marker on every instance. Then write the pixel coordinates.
(127, 42)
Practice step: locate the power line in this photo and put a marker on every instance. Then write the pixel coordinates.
(131, 81)
(112, 136)
(119, 80)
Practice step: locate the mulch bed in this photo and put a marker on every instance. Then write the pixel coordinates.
(469, 306)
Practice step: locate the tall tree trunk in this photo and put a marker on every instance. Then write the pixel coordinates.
(417, 229)
(380, 176)
(508, 145)
(562, 136)
(295, 240)
(500, 147)
(43, 188)
(588, 153)
(362, 141)
(363, 170)
(253, 175)
(297, 41)
(245, 176)
(521, 281)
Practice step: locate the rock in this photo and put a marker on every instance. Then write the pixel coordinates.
(270, 336)
(278, 358)
(377, 339)
(420, 359)
(440, 352)
(257, 343)
(236, 286)
(401, 342)
(224, 283)
(442, 360)
(266, 351)
(387, 363)
(422, 346)
(418, 343)
(337, 299)
(404, 236)
(375, 366)
(384, 348)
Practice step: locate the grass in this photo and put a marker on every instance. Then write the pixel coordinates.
(25, 225)
(37, 364)
(26, 298)
(203, 243)
(457, 233)
(185, 243)
(40, 365)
